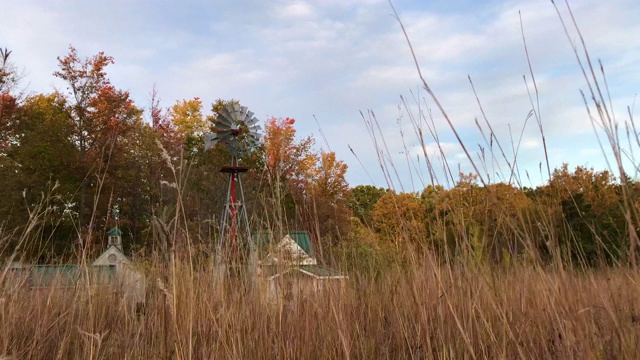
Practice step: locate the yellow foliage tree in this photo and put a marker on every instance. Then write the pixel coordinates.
(400, 218)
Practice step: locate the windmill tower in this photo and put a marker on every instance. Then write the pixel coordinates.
(234, 128)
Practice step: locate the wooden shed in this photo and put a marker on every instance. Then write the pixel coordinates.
(290, 273)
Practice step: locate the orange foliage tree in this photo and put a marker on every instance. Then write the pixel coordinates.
(287, 160)
(310, 187)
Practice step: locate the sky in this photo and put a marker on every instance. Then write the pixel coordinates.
(340, 66)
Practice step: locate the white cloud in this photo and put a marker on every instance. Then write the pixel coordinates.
(296, 10)
(333, 58)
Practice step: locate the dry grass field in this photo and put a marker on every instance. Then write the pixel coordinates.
(425, 310)
(423, 303)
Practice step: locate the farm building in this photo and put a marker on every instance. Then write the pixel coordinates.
(112, 270)
(20, 275)
(290, 273)
(126, 280)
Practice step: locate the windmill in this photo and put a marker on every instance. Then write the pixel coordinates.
(236, 129)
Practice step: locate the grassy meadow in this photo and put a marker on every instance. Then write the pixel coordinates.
(476, 271)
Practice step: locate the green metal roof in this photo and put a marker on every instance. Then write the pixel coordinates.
(302, 238)
(69, 275)
(114, 232)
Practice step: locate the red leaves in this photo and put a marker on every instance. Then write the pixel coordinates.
(100, 112)
(8, 105)
(113, 111)
(84, 76)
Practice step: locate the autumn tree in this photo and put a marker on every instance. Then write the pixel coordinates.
(8, 106)
(307, 188)
(286, 158)
(187, 117)
(459, 208)
(400, 218)
(362, 199)
(161, 123)
(288, 166)
(588, 212)
(162, 146)
(84, 78)
(327, 199)
(40, 167)
(489, 222)
(205, 188)
(503, 219)
(44, 148)
(101, 115)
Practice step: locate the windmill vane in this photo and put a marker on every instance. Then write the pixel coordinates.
(235, 127)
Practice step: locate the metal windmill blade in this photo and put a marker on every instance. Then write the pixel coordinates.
(251, 121)
(210, 140)
(234, 127)
(218, 135)
(225, 117)
(251, 137)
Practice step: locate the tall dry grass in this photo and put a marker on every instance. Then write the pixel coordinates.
(426, 311)
(423, 307)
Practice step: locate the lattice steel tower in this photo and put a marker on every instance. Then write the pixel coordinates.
(234, 128)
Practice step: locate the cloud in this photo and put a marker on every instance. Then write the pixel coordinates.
(296, 10)
(334, 58)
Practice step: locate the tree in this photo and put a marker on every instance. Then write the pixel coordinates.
(305, 188)
(287, 159)
(161, 123)
(84, 79)
(8, 107)
(588, 214)
(43, 141)
(162, 143)
(400, 218)
(362, 199)
(288, 167)
(101, 116)
(485, 222)
(328, 183)
(41, 167)
(186, 116)
(8, 102)
(9, 77)
(328, 194)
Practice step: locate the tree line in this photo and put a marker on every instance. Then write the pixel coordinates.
(68, 157)
(79, 151)
(576, 218)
